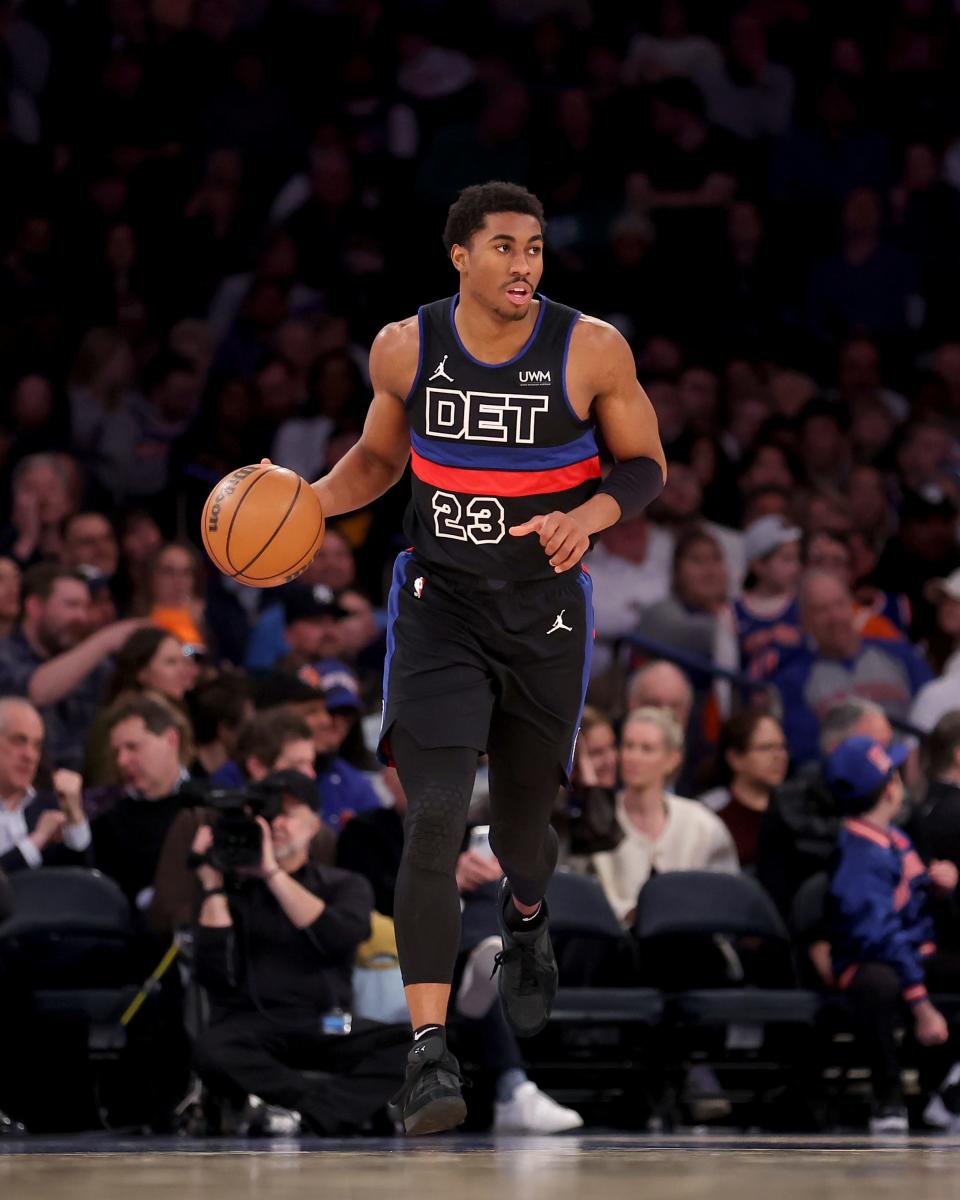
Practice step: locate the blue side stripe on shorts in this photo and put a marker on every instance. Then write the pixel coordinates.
(393, 611)
(586, 583)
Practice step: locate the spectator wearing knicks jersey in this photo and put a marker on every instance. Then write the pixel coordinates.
(767, 612)
(836, 663)
(881, 928)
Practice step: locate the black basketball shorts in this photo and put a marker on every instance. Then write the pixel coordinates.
(463, 652)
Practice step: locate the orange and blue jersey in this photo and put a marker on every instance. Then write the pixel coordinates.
(890, 673)
(879, 906)
(758, 632)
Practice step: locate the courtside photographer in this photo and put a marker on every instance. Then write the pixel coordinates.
(275, 941)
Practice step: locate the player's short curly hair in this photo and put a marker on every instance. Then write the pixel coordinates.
(469, 211)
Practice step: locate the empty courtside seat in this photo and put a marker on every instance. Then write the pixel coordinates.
(71, 933)
(599, 1052)
(717, 945)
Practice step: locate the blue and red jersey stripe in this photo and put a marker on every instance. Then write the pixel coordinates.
(504, 470)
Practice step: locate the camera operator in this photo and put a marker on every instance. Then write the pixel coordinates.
(277, 740)
(274, 948)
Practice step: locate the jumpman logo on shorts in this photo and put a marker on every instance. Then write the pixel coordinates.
(440, 373)
(558, 623)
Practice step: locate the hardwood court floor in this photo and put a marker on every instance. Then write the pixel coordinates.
(468, 1168)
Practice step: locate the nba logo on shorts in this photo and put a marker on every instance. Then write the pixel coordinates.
(418, 586)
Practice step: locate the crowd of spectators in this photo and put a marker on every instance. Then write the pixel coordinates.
(209, 209)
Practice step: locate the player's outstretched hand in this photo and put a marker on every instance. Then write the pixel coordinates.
(563, 540)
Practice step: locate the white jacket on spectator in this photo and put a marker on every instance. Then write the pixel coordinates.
(937, 697)
(694, 839)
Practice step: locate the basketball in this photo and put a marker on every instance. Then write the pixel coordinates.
(262, 525)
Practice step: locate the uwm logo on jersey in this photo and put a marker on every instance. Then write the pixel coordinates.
(534, 377)
(484, 416)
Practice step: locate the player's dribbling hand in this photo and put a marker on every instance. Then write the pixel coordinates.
(563, 540)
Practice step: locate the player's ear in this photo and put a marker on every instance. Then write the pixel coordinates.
(458, 256)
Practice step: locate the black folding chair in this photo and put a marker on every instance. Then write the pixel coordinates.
(69, 945)
(598, 1052)
(717, 945)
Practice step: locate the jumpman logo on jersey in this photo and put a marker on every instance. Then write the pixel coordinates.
(440, 373)
(558, 623)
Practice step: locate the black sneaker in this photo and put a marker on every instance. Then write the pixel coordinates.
(528, 971)
(430, 1099)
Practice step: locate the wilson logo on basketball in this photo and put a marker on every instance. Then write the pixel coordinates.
(213, 521)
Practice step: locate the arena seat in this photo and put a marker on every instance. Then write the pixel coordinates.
(718, 948)
(72, 930)
(70, 946)
(599, 1052)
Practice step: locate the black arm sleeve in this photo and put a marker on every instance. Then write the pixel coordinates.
(633, 483)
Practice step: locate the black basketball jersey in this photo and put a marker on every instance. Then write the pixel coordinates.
(493, 445)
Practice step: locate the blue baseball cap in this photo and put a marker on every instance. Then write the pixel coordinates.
(858, 768)
(339, 684)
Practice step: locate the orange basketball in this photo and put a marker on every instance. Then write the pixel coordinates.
(262, 525)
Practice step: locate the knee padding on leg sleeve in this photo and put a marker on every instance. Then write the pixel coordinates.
(433, 832)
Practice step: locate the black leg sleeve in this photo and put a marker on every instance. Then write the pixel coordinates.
(525, 777)
(438, 784)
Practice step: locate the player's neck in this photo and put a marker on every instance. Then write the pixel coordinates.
(489, 337)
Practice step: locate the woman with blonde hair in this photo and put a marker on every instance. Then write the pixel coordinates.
(661, 831)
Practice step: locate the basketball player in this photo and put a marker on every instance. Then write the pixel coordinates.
(494, 395)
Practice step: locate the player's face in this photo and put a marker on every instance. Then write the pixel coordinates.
(500, 267)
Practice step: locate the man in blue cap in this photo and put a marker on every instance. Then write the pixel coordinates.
(880, 919)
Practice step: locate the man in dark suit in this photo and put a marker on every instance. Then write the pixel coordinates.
(36, 828)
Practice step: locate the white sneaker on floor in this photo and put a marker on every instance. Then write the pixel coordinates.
(270, 1120)
(477, 993)
(938, 1112)
(532, 1111)
(888, 1120)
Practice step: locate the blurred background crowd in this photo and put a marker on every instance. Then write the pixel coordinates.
(209, 208)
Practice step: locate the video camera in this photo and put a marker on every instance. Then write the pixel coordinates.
(237, 838)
